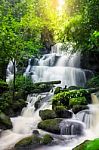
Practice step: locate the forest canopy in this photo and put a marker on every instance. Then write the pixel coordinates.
(24, 24)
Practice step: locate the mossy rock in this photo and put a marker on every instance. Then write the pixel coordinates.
(77, 101)
(47, 114)
(88, 145)
(5, 122)
(50, 125)
(62, 112)
(28, 143)
(47, 139)
(77, 108)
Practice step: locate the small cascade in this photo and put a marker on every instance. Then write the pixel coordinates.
(72, 127)
(9, 72)
(28, 68)
(29, 118)
(86, 116)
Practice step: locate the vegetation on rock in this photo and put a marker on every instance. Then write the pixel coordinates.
(47, 114)
(50, 125)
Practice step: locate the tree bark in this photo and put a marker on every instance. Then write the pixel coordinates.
(14, 76)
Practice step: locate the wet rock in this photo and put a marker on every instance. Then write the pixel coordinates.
(28, 143)
(5, 122)
(72, 127)
(36, 132)
(78, 108)
(50, 125)
(47, 139)
(62, 112)
(47, 114)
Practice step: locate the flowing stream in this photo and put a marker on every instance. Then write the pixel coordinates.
(54, 66)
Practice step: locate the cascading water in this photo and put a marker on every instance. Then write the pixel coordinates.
(24, 125)
(58, 66)
(54, 66)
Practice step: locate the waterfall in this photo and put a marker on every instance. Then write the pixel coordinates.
(58, 65)
(71, 127)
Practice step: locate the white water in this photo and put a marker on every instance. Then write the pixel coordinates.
(54, 66)
(24, 125)
(58, 65)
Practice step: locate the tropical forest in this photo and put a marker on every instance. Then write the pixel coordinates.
(49, 74)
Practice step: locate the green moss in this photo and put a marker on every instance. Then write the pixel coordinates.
(77, 101)
(32, 140)
(47, 139)
(88, 145)
(5, 121)
(77, 108)
(47, 114)
(82, 146)
(50, 125)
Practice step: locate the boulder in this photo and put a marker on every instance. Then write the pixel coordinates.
(5, 122)
(47, 139)
(78, 108)
(62, 112)
(28, 143)
(50, 125)
(47, 114)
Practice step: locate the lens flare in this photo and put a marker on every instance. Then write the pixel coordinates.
(60, 5)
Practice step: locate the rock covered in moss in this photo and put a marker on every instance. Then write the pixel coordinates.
(47, 114)
(28, 143)
(62, 112)
(50, 125)
(78, 108)
(47, 139)
(34, 141)
(5, 122)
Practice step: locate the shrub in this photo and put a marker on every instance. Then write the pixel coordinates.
(62, 99)
(77, 101)
(93, 82)
(3, 86)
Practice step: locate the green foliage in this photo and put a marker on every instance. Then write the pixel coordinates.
(88, 145)
(62, 99)
(77, 101)
(93, 82)
(82, 27)
(3, 86)
(57, 90)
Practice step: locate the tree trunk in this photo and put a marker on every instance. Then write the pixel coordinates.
(14, 76)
